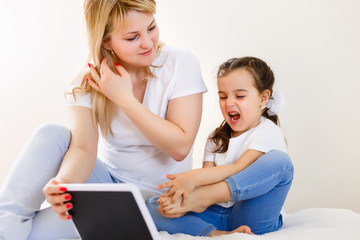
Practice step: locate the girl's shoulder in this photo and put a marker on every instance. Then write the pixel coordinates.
(266, 123)
(266, 136)
(267, 127)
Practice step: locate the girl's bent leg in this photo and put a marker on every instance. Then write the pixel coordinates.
(260, 191)
(21, 193)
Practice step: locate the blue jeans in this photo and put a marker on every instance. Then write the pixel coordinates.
(21, 194)
(259, 190)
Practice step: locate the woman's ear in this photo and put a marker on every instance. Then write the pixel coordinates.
(106, 44)
(265, 96)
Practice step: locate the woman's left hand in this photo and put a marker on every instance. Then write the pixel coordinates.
(116, 87)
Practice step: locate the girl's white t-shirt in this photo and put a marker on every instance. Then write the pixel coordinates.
(264, 137)
(128, 155)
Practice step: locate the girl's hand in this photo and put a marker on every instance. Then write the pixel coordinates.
(181, 184)
(58, 198)
(115, 86)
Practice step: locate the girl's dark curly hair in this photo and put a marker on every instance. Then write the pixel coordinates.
(264, 80)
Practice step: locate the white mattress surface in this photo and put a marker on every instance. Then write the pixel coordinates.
(307, 224)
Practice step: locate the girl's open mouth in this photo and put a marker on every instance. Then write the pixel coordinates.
(234, 116)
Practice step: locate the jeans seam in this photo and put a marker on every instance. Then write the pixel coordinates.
(209, 227)
(231, 182)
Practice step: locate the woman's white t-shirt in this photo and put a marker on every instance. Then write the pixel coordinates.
(264, 137)
(128, 155)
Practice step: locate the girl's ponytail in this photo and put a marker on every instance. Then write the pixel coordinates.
(273, 118)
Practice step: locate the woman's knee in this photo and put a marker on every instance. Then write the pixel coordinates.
(53, 132)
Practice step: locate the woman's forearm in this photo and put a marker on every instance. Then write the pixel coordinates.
(77, 165)
(174, 135)
(80, 159)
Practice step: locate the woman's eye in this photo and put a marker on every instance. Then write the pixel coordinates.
(131, 39)
(152, 28)
(222, 98)
(240, 96)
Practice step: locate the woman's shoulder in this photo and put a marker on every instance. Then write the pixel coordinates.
(174, 54)
(174, 50)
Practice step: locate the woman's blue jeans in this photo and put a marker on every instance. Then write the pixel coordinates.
(21, 194)
(259, 190)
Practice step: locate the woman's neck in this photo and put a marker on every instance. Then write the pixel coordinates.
(137, 73)
(137, 77)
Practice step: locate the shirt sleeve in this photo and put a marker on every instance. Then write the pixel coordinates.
(80, 100)
(188, 78)
(209, 156)
(266, 138)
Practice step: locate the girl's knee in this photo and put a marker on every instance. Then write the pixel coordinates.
(282, 162)
(279, 158)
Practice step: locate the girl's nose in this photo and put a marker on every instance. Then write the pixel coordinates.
(230, 102)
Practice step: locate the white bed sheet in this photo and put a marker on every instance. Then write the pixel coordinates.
(309, 224)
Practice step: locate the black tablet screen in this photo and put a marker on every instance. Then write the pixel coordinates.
(108, 215)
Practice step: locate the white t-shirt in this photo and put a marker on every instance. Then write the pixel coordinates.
(128, 155)
(264, 137)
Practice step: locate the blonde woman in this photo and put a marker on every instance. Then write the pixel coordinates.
(134, 115)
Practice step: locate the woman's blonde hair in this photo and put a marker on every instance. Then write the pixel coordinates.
(102, 18)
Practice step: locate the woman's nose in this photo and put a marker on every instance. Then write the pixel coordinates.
(146, 42)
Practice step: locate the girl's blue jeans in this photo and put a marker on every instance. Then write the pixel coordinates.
(21, 194)
(259, 191)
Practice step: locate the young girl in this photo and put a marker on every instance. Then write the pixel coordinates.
(239, 188)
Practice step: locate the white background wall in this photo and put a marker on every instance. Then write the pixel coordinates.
(312, 46)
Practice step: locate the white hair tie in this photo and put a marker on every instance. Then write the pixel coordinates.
(275, 103)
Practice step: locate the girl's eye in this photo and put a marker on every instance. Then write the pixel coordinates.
(222, 98)
(240, 96)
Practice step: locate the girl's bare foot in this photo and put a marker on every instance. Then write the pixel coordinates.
(199, 199)
(165, 201)
(241, 229)
(175, 215)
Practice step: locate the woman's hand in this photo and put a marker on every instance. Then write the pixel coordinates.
(115, 86)
(58, 198)
(181, 184)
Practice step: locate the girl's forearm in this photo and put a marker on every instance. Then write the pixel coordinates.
(216, 174)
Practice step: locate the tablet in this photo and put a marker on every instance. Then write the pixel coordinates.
(110, 211)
